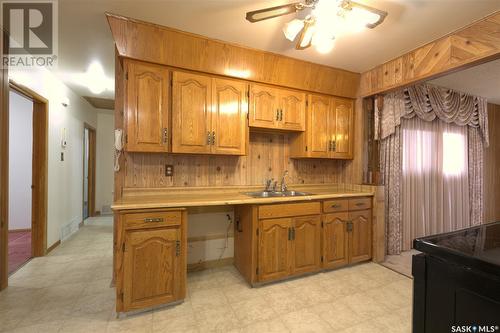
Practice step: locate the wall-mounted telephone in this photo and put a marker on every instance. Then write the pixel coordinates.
(118, 148)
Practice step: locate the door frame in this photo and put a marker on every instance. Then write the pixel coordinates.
(39, 193)
(91, 169)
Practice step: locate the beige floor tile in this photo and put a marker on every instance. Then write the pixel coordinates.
(78, 325)
(11, 318)
(217, 319)
(285, 301)
(365, 306)
(394, 323)
(338, 314)
(275, 325)
(305, 321)
(211, 298)
(181, 324)
(241, 291)
(179, 310)
(369, 326)
(389, 297)
(53, 326)
(313, 294)
(140, 323)
(253, 310)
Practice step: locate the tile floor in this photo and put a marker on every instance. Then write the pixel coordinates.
(401, 262)
(19, 249)
(68, 291)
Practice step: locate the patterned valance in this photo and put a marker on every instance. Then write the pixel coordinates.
(428, 102)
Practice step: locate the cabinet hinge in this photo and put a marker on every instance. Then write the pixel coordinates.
(171, 81)
(322, 224)
(123, 247)
(306, 148)
(307, 103)
(177, 248)
(121, 297)
(321, 258)
(126, 138)
(257, 231)
(248, 93)
(257, 271)
(126, 76)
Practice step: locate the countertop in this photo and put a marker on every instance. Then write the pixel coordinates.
(229, 195)
(476, 247)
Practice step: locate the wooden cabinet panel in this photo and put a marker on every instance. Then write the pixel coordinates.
(263, 109)
(289, 210)
(318, 126)
(152, 219)
(306, 244)
(360, 203)
(146, 107)
(293, 110)
(152, 270)
(342, 126)
(229, 128)
(335, 240)
(191, 113)
(336, 205)
(274, 248)
(360, 238)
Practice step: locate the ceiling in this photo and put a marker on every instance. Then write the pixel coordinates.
(482, 80)
(85, 36)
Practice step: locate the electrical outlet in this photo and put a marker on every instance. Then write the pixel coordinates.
(169, 170)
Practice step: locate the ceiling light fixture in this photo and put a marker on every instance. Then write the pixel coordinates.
(328, 19)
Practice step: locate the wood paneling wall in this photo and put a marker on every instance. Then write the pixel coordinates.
(492, 167)
(268, 157)
(162, 45)
(476, 43)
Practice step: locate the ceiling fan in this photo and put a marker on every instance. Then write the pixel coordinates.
(327, 19)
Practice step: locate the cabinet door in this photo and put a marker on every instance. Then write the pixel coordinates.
(335, 240)
(146, 107)
(229, 117)
(318, 127)
(191, 113)
(342, 128)
(264, 104)
(306, 250)
(274, 249)
(293, 110)
(152, 272)
(360, 238)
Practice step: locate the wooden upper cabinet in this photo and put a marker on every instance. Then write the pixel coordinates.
(274, 248)
(306, 243)
(146, 107)
(292, 110)
(276, 108)
(229, 117)
(152, 268)
(343, 128)
(360, 237)
(191, 113)
(263, 108)
(335, 240)
(208, 115)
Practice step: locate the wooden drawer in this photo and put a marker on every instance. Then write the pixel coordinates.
(152, 219)
(289, 210)
(360, 203)
(337, 205)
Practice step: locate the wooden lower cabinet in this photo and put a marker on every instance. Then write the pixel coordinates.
(274, 249)
(360, 237)
(306, 249)
(151, 260)
(335, 240)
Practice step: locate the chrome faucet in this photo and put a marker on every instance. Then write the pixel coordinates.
(284, 186)
(268, 185)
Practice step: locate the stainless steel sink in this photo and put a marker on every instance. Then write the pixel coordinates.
(270, 194)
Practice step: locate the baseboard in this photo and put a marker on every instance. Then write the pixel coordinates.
(53, 246)
(202, 265)
(20, 230)
(80, 225)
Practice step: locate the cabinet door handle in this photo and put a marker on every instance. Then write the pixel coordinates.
(165, 135)
(289, 233)
(281, 114)
(153, 220)
(213, 138)
(334, 145)
(277, 114)
(293, 233)
(359, 204)
(349, 226)
(209, 139)
(177, 248)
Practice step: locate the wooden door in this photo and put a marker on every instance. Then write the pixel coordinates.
(335, 240)
(152, 267)
(306, 251)
(360, 237)
(229, 128)
(263, 108)
(191, 113)
(292, 110)
(274, 249)
(318, 127)
(342, 128)
(147, 107)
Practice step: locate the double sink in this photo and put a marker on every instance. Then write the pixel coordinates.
(273, 194)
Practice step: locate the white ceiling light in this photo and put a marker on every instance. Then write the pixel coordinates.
(96, 80)
(328, 19)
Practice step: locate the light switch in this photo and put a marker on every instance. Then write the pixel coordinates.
(169, 170)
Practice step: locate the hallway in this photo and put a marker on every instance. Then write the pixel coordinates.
(19, 249)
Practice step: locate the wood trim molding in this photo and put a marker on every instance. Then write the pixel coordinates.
(4, 169)
(53, 246)
(474, 44)
(92, 168)
(162, 45)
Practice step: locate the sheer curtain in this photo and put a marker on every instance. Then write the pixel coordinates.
(434, 178)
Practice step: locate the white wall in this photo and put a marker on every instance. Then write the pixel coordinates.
(65, 178)
(104, 160)
(20, 161)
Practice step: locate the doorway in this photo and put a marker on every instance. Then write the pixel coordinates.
(27, 176)
(89, 161)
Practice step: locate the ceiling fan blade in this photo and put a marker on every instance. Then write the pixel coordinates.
(268, 13)
(382, 14)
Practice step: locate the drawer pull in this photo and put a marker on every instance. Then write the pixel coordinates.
(151, 220)
(359, 204)
(336, 206)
